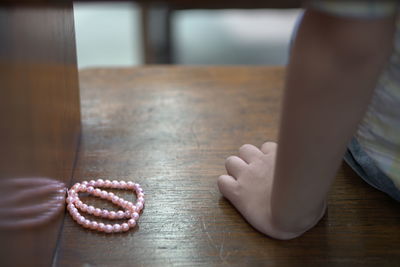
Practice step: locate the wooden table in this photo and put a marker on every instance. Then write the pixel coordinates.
(170, 129)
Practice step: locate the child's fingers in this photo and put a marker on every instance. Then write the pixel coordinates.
(249, 153)
(227, 186)
(235, 166)
(268, 147)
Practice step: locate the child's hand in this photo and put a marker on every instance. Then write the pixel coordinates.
(319, 99)
(248, 185)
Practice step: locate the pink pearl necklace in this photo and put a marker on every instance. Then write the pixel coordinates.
(131, 211)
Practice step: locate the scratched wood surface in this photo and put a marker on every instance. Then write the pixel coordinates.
(170, 129)
(39, 121)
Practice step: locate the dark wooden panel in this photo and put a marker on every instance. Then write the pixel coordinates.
(39, 120)
(170, 129)
(156, 30)
(226, 4)
(193, 4)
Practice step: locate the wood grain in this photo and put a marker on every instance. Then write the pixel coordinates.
(170, 129)
(39, 115)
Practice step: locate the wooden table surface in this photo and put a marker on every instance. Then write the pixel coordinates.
(170, 129)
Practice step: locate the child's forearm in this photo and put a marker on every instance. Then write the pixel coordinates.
(334, 66)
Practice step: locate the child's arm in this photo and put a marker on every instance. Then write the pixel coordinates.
(334, 66)
(331, 76)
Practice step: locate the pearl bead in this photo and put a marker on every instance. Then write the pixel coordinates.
(116, 228)
(135, 216)
(130, 185)
(80, 219)
(94, 225)
(114, 199)
(125, 227)
(90, 209)
(75, 214)
(78, 203)
(84, 208)
(127, 214)
(112, 215)
(86, 223)
(90, 189)
(97, 212)
(70, 200)
(108, 228)
(131, 223)
(120, 214)
(82, 188)
(103, 194)
(105, 213)
(101, 227)
(107, 183)
(129, 205)
(97, 192)
(139, 206)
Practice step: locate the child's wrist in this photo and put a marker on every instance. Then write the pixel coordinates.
(285, 231)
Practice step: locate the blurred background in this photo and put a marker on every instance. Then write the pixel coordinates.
(109, 34)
